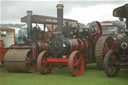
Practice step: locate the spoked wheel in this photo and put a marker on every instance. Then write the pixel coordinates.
(103, 45)
(95, 31)
(76, 63)
(43, 66)
(30, 64)
(110, 67)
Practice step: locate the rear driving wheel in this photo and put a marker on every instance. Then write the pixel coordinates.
(43, 66)
(110, 67)
(76, 63)
(95, 30)
(103, 45)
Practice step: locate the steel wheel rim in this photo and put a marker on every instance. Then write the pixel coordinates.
(43, 65)
(76, 63)
(102, 48)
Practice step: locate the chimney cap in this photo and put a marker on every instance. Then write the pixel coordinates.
(60, 6)
(29, 12)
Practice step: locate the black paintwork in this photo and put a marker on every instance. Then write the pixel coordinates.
(122, 54)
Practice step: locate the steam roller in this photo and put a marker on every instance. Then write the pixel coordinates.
(21, 63)
(21, 57)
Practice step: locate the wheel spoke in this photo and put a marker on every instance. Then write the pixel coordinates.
(30, 66)
(79, 59)
(113, 58)
(106, 46)
(75, 64)
(47, 69)
(110, 67)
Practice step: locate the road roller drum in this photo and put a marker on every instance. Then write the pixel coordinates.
(19, 60)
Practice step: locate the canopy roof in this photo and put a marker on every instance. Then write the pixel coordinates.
(120, 11)
(45, 19)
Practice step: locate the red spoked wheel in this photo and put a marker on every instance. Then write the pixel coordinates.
(30, 64)
(110, 67)
(76, 63)
(95, 31)
(43, 66)
(103, 45)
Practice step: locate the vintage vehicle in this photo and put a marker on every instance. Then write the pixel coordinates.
(116, 59)
(74, 47)
(22, 56)
(62, 42)
(7, 38)
(112, 28)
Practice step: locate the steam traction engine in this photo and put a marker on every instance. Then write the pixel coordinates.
(73, 46)
(116, 59)
(22, 57)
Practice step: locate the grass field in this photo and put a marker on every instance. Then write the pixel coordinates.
(92, 76)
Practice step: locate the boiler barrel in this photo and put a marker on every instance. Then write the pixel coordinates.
(42, 45)
(78, 44)
(63, 46)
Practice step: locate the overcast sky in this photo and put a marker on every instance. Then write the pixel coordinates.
(82, 10)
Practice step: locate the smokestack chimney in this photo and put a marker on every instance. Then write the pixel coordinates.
(126, 15)
(29, 25)
(59, 17)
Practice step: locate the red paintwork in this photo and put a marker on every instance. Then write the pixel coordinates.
(56, 60)
(48, 36)
(77, 66)
(4, 50)
(2, 53)
(42, 64)
(26, 47)
(109, 46)
(75, 59)
(96, 33)
(78, 44)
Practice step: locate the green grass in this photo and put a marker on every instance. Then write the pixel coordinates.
(92, 76)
